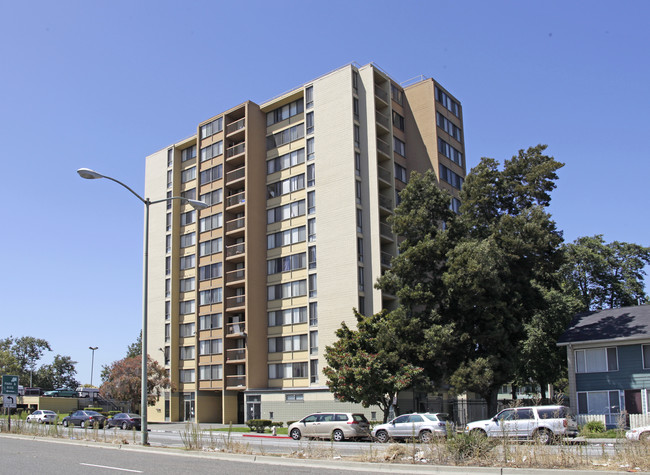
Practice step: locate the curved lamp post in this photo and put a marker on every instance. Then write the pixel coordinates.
(197, 205)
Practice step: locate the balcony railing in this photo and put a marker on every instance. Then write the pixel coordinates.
(235, 249)
(385, 259)
(237, 274)
(381, 94)
(234, 200)
(236, 380)
(385, 230)
(384, 174)
(383, 120)
(235, 150)
(237, 174)
(383, 147)
(237, 354)
(235, 301)
(235, 126)
(235, 328)
(235, 224)
(385, 202)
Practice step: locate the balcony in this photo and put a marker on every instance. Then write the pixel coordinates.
(236, 381)
(383, 148)
(235, 329)
(236, 252)
(381, 94)
(236, 302)
(236, 175)
(235, 126)
(385, 175)
(236, 200)
(235, 150)
(386, 203)
(235, 225)
(383, 120)
(385, 259)
(236, 355)
(385, 232)
(235, 276)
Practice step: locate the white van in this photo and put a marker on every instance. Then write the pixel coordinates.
(91, 393)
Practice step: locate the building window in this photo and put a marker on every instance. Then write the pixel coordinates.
(310, 149)
(645, 351)
(187, 376)
(211, 174)
(212, 151)
(170, 174)
(188, 153)
(448, 126)
(186, 330)
(362, 305)
(287, 290)
(167, 354)
(213, 197)
(211, 372)
(208, 248)
(211, 271)
(285, 238)
(596, 360)
(357, 163)
(187, 353)
(284, 112)
(288, 370)
(168, 243)
(311, 175)
(211, 222)
(286, 263)
(188, 240)
(285, 136)
(313, 370)
(212, 128)
(187, 285)
(169, 202)
(167, 332)
(310, 123)
(188, 218)
(361, 279)
(187, 262)
(287, 160)
(311, 202)
(294, 397)
(396, 94)
(288, 211)
(168, 287)
(210, 296)
(311, 228)
(450, 177)
(186, 307)
(450, 152)
(168, 221)
(311, 251)
(285, 344)
(210, 322)
(399, 146)
(357, 136)
(599, 402)
(290, 185)
(447, 101)
(313, 314)
(360, 249)
(358, 191)
(355, 81)
(398, 121)
(168, 309)
(309, 97)
(211, 347)
(355, 107)
(400, 173)
(289, 316)
(313, 342)
(455, 205)
(359, 220)
(168, 265)
(170, 157)
(313, 288)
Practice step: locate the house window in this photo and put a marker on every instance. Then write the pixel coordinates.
(286, 263)
(211, 347)
(645, 350)
(361, 279)
(311, 251)
(286, 136)
(355, 81)
(311, 202)
(186, 307)
(170, 157)
(311, 175)
(448, 126)
(211, 222)
(360, 249)
(450, 177)
(286, 344)
(357, 163)
(448, 102)
(284, 187)
(450, 152)
(281, 213)
(170, 174)
(287, 290)
(294, 397)
(358, 191)
(599, 402)
(211, 174)
(167, 332)
(313, 342)
(359, 220)
(596, 360)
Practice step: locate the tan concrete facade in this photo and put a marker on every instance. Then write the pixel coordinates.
(245, 295)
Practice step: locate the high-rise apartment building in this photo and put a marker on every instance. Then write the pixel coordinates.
(245, 295)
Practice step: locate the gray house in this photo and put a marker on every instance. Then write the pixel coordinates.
(608, 353)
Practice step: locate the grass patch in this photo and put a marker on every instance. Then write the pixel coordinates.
(608, 434)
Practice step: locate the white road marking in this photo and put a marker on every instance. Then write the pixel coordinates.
(111, 468)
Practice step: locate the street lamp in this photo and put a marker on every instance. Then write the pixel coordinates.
(92, 364)
(198, 205)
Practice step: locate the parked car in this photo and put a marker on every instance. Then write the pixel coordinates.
(335, 425)
(43, 417)
(542, 423)
(84, 419)
(413, 426)
(61, 392)
(638, 433)
(125, 421)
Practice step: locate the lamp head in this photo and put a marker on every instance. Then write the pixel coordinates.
(197, 205)
(89, 174)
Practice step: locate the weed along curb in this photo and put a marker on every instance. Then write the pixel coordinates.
(266, 436)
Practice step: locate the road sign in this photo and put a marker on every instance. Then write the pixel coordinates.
(9, 385)
(9, 401)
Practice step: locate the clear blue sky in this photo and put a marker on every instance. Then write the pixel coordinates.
(102, 84)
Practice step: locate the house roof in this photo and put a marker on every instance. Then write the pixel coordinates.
(612, 324)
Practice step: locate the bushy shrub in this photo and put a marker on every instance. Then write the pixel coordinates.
(594, 427)
(464, 447)
(259, 425)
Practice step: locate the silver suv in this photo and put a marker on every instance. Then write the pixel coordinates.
(413, 426)
(542, 423)
(335, 425)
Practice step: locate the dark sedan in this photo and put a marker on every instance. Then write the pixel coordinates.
(125, 421)
(84, 419)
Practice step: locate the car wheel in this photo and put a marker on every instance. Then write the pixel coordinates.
(66, 423)
(295, 434)
(124, 426)
(82, 424)
(337, 435)
(426, 437)
(644, 436)
(543, 436)
(40, 421)
(382, 436)
(478, 433)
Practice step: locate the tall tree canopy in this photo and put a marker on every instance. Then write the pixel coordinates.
(363, 370)
(60, 374)
(605, 275)
(28, 351)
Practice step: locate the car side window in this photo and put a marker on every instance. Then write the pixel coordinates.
(506, 415)
(312, 418)
(341, 417)
(401, 420)
(525, 414)
(325, 418)
(415, 418)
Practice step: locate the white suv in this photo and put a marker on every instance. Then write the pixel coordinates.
(542, 423)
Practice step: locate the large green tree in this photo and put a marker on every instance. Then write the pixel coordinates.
(60, 374)
(365, 371)
(605, 275)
